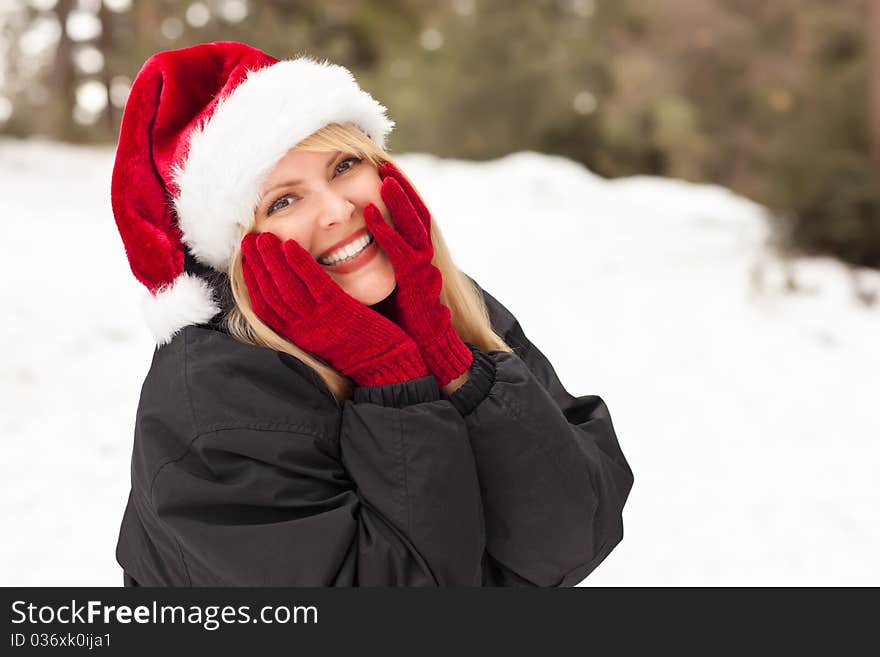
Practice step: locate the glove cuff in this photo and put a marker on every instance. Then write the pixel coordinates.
(402, 363)
(447, 356)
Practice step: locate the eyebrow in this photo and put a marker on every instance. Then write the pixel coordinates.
(296, 181)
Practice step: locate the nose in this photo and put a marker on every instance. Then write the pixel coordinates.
(334, 208)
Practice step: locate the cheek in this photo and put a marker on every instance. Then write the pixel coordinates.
(366, 191)
(375, 198)
(287, 229)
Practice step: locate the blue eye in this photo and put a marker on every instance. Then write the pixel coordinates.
(356, 160)
(274, 206)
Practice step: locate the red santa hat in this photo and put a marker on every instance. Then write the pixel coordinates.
(202, 128)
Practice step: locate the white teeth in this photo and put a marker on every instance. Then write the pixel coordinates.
(347, 252)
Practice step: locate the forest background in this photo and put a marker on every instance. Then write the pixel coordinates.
(779, 101)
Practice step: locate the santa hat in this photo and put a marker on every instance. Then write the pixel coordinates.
(202, 128)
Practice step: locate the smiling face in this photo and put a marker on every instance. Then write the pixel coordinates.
(318, 200)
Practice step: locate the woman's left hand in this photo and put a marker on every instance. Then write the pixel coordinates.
(417, 304)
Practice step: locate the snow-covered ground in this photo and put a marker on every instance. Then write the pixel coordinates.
(749, 414)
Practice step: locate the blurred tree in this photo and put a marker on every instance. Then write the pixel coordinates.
(874, 22)
(107, 48)
(483, 80)
(825, 186)
(57, 116)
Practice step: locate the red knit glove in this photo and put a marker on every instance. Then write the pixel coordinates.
(417, 307)
(292, 294)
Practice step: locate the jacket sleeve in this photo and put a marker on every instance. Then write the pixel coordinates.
(393, 502)
(554, 480)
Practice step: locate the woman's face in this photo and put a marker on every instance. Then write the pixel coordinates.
(318, 199)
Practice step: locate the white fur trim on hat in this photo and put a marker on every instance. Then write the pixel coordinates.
(251, 129)
(188, 300)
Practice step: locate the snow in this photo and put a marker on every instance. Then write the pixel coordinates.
(747, 411)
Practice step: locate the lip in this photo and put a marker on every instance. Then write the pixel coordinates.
(351, 238)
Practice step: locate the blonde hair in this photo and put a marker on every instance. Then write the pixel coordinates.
(470, 317)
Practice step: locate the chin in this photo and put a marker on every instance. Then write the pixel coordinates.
(376, 294)
(370, 287)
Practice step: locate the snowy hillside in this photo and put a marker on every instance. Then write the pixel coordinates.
(748, 414)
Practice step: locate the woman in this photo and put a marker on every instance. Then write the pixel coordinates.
(331, 401)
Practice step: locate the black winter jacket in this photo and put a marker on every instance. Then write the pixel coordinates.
(245, 472)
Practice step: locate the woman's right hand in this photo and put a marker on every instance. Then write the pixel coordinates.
(293, 295)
